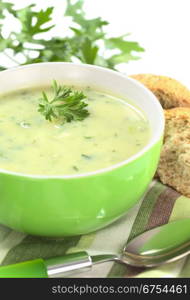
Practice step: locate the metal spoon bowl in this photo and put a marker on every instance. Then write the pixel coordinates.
(163, 244)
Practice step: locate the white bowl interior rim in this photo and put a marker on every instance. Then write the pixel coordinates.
(98, 77)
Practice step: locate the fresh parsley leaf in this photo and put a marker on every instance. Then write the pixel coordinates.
(89, 51)
(6, 6)
(89, 42)
(87, 34)
(125, 48)
(67, 105)
(91, 28)
(33, 21)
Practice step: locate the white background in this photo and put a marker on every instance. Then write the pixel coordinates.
(162, 27)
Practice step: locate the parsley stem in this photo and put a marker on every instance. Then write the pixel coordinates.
(11, 58)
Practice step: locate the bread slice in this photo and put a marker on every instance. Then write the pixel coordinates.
(174, 164)
(169, 92)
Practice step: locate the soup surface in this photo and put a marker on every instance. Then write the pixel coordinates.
(29, 144)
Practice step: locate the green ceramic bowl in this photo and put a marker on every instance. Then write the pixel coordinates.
(70, 205)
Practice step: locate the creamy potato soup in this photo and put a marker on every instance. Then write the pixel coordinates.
(29, 144)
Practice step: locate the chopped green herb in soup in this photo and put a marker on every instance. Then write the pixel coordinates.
(112, 131)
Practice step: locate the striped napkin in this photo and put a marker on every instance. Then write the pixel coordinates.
(160, 205)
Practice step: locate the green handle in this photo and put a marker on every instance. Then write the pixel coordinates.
(28, 269)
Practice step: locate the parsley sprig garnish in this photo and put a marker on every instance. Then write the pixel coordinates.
(66, 105)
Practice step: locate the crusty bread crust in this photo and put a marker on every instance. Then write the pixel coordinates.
(169, 91)
(174, 164)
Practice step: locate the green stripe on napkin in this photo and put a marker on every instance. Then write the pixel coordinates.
(34, 247)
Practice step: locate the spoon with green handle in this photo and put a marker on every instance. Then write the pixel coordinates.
(163, 244)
